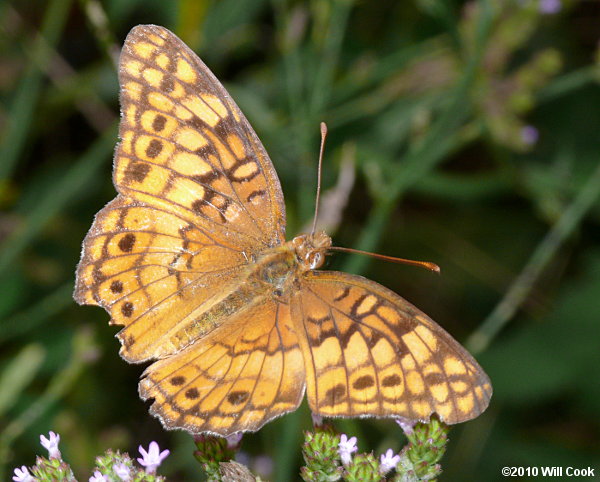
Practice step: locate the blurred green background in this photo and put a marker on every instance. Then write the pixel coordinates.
(464, 133)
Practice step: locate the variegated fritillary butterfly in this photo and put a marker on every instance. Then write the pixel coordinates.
(191, 259)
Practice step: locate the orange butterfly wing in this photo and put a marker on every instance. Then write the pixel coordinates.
(187, 146)
(198, 199)
(239, 377)
(368, 352)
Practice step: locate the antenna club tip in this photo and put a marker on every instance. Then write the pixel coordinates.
(430, 266)
(323, 128)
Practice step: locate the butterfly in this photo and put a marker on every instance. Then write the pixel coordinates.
(191, 260)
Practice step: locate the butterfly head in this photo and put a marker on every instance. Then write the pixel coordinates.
(311, 249)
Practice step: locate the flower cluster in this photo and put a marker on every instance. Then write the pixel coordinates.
(328, 455)
(110, 466)
(331, 456)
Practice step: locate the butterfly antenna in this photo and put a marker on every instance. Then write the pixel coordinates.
(423, 264)
(323, 137)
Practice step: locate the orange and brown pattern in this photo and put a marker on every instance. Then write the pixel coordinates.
(191, 259)
(374, 353)
(185, 143)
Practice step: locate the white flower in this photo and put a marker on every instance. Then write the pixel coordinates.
(317, 420)
(388, 461)
(153, 458)
(346, 448)
(234, 440)
(22, 475)
(51, 444)
(122, 471)
(98, 477)
(407, 425)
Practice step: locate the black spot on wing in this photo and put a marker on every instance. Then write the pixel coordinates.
(116, 287)
(177, 381)
(192, 393)
(158, 124)
(391, 381)
(154, 148)
(126, 243)
(167, 84)
(334, 395)
(137, 171)
(363, 382)
(127, 309)
(238, 397)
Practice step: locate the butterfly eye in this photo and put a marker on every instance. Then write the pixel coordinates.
(315, 259)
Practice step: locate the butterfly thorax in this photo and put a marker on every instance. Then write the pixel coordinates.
(271, 275)
(310, 249)
(268, 276)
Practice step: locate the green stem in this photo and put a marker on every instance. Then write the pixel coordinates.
(569, 82)
(377, 221)
(288, 440)
(98, 20)
(17, 373)
(541, 257)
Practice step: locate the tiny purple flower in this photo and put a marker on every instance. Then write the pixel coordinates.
(243, 457)
(98, 477)
(529, 135)
(388, 461)
(317, 420)
(51, 445)
(550, 7)
(406, 425)
(22, 475)
(263, 464)
(153, 458)
(234, 440)
(122, 471)
(346, 448)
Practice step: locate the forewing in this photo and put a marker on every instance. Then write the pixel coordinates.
(187, 147)
(368, 352)
(198, 199)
